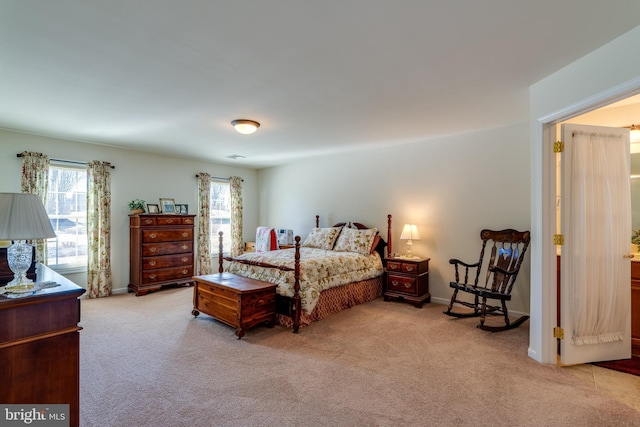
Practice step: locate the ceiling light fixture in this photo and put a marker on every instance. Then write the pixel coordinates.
(245, 127)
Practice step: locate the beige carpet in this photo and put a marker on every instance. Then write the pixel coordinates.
(146, 361)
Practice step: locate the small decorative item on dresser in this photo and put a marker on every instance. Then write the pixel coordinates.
(152, 208)
(182, 209)
(407, 279)
(136, 206)
(168, 206)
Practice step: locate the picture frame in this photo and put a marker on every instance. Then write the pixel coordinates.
(153, 208)
(168, 206)
(182, 209)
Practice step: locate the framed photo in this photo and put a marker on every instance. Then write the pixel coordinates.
(153, 208)
(182, 209)
(168, 206)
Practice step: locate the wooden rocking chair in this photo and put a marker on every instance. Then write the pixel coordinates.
(507, 250)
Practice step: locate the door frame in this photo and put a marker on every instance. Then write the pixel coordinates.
(543, 254)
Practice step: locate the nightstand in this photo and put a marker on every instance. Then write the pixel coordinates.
(407, 279)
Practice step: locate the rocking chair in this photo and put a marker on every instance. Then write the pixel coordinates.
(507, 250)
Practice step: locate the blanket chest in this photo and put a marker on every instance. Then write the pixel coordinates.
(160, 251)
(240, 302)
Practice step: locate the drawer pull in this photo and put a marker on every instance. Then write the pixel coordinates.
(154, 249)
(407, 285)
(152, 276)
(153, 235)
(152, 263)
(188, 221)
(184, 246)
(394, 283)
(185, 271)
(185, 234)
(170, 221)
(185, 259)
(410, 268)
(148, 221)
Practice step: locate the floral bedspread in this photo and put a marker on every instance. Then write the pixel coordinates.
(320, 269)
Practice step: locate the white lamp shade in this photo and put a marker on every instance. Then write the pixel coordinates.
(410, 232)
(23, 217)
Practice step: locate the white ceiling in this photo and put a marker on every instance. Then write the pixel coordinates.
(320, 76)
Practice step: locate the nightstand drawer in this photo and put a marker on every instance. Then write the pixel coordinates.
(408, 267)
(404, 284)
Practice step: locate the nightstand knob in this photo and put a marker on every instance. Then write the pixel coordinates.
(407, 285)
(410, 268)
(152, 276)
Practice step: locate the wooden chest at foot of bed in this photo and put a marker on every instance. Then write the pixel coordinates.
(237, 301)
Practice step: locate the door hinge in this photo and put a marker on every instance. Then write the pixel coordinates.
(558, 332)
(558, 147)
(558, 239)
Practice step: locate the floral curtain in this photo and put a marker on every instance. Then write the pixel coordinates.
(35, 180)
(99, 281)
(236, 216)
(204, 202)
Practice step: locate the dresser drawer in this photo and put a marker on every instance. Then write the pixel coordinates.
(174, 220)
(153, 263)
(149, 236)
(151, 249)
(404, 267)
(404, 284)
(166, 274)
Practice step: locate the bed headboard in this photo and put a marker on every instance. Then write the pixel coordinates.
(381, 243)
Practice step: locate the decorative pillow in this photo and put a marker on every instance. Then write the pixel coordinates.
(322, 238)
(353, 240)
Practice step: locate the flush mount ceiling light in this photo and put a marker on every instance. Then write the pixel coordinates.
(245, 126)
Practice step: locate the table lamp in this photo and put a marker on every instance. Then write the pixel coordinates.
(22, 217)
(409, 233)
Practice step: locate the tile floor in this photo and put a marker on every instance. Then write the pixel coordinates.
(621, 386)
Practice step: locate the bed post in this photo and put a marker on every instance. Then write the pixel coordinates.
(220, 269)
(296, 288)
(317, 221)
(389, 244)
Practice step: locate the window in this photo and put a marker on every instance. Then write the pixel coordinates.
(220, 216)
(67, 209)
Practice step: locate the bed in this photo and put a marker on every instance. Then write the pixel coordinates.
(334, 269)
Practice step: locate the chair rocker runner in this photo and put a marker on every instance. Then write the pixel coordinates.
(507, 250)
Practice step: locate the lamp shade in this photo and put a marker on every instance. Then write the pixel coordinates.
(245, 126)
(23, 217)
(410, 232)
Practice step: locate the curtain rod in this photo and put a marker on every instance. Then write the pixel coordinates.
(219, 177)
(68, 161)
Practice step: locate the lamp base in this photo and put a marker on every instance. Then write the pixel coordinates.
(19, 256)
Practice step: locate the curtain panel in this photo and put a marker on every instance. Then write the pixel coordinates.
(35, 180)
(204, 210)
(597, 236)
(99, 280)
(236, 216)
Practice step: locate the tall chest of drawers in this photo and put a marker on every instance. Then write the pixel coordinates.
(160, 251)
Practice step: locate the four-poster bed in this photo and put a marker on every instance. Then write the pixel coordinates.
(333, 269)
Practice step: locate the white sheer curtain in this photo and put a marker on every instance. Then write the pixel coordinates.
(598, 235)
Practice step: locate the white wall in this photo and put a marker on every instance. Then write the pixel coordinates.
(601, 77)
(450, 187)
(136, 175)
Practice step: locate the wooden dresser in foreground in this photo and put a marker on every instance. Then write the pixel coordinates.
(40, 346)
(160, 251)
